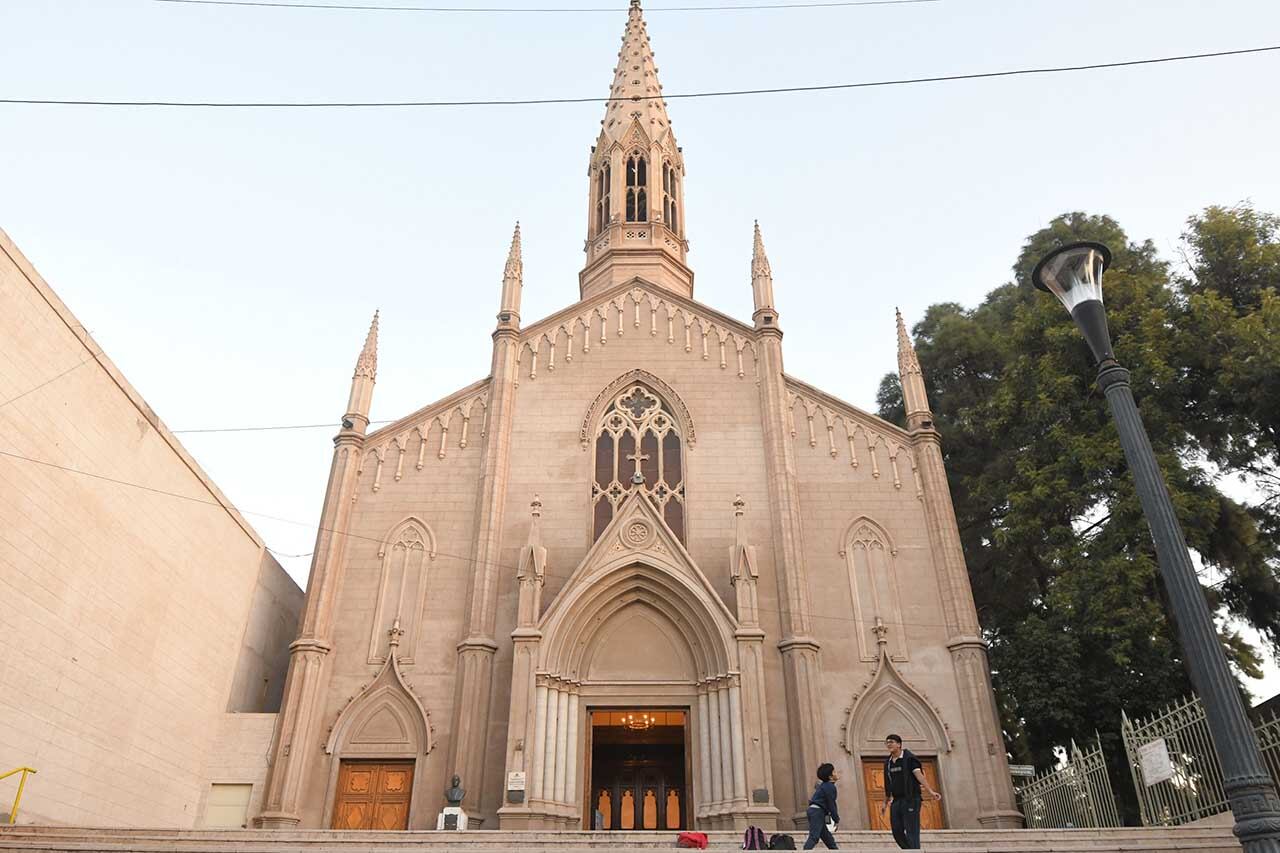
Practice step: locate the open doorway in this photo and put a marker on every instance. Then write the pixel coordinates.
(639, 770)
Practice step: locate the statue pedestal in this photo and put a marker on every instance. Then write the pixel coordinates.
(452, 818)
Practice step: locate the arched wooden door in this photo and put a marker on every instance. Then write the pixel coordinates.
(931, 815)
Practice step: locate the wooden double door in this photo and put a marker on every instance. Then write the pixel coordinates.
(931, 816)
(639, 788)
(373, 795)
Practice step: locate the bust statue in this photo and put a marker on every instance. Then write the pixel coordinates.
(454, 794)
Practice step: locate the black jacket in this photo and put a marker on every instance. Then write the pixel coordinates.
(824, 795)
(909, 764)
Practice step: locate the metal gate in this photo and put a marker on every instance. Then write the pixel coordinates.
(1075, 795)
(1180, 780)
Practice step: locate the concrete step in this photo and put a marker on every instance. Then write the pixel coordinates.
(62, 839)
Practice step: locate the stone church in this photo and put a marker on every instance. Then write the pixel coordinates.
(638, 576)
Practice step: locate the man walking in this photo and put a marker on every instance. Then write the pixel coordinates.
(903, 778)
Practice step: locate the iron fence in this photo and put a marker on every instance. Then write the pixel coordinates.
(1078, 794)
(1181, 780)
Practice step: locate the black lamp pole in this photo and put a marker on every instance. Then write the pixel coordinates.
(1073, 273)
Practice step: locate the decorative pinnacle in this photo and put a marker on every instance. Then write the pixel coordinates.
(535, 507)
(739, 506)
(759, 261)
(907, 360)
(367, 363)
(515, 263)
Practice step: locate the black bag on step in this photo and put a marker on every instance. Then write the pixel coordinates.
(781, 842)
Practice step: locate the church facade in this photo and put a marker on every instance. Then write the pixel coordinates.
(638, 577)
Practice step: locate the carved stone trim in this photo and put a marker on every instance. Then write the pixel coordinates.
(596, 409)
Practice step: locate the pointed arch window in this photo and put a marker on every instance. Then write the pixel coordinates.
(402, 587)
(604, 181)
(637, 180)
(638, 446)
(670, 206)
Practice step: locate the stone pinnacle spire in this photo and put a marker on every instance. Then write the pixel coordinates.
(762, 283)
(512, 285)
(914, 397)
(367, 363)
(357, 416)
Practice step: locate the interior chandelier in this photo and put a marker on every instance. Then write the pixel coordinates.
(638, 723)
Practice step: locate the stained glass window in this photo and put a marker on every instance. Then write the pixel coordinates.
(638, 446)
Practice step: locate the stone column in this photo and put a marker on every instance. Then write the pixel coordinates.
(801, 664)
(573, 757)
(726, 740)
(297, 728)
(739, 752)
(984, 741)
(713, 729)
(548, 746)
(562, 744)
(705, 795)
(534, 750)
(474, 689)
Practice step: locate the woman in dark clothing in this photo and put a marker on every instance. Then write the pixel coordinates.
(822, 805)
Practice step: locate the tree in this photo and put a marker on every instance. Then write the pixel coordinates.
(1060, 558)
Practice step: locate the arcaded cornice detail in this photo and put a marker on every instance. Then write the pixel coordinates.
(592, 418)
(427, 412)
(844, 409)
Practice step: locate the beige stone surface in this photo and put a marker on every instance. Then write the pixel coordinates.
(816, 601)
(124, 610)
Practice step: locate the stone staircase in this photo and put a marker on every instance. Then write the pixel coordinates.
(63, 839)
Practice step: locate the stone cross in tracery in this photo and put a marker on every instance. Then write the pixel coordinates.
(637, 458)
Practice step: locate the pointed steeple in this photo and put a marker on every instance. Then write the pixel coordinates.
(512, 285)
(635, 94)
(914, 396)
(635, 221)
(361, 398)
(762, 284)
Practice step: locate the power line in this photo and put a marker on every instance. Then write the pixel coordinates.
(744, 7)
(262, 428)
(319, 528)
(502, 102)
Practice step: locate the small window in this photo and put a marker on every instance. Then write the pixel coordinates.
(637, 207)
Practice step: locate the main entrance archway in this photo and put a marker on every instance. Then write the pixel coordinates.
(636, 628)
(639, 767)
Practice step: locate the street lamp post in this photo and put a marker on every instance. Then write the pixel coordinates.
(1073, 273)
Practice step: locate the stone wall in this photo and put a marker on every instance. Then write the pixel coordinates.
(125, 609)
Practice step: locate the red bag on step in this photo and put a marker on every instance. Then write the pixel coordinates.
(692, 839)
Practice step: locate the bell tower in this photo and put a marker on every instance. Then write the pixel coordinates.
(635, 212)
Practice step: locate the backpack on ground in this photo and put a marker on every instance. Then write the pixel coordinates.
(753, 839)
(697, 840)
(781, 842)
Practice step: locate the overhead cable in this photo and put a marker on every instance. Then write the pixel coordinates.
(502, 102)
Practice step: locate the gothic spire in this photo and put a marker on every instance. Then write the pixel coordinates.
(635, 94)
(914, 397)
(762, 283)
(635, 221)
(512, 284)
(361, 398)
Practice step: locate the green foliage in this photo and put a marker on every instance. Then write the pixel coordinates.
(1061, 560)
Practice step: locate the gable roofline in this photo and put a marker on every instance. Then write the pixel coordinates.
(848, 409)
(539, 327)
(416, 417)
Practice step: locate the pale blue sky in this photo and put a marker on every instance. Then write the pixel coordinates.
(229, 261)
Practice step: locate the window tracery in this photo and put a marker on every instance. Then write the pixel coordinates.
(638, 446)
(604, 176)
(670, 208)
(637, 180)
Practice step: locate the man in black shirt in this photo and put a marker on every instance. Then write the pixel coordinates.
(903, 777)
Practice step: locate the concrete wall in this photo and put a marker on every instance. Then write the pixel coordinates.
(239, 757)
(272, 625)
(124, 610)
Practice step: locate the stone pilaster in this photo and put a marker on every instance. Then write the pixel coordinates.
(750, 709)
(522, 743)
(476, 652)
(297, 729)
(801, 660)
(983, 740)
